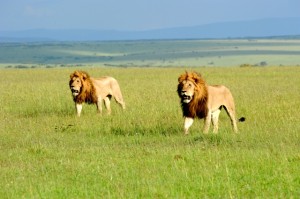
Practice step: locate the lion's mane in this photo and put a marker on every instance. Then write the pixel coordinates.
(198, 105)
(87, 92)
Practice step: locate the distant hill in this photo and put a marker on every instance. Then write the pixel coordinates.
(237, 29)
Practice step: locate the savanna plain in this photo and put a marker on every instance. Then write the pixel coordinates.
(141, 152)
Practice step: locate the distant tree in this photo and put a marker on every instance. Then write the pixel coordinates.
(21, 66)
(263, 63)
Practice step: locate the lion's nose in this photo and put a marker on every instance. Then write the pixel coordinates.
(183, 92)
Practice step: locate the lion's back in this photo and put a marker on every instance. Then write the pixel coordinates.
(106, 86)
(219, 95)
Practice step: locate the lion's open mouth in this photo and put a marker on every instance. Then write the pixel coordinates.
(186, 98)
(74, 91)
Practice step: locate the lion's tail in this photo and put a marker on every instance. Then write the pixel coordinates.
(242, 119)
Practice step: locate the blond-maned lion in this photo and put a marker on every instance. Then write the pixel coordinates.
(86, 89)
(199, 100)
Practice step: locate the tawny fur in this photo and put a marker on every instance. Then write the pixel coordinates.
(199, 100)
(86, 89)
(198, 106)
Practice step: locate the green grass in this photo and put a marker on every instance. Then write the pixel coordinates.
(47, 152)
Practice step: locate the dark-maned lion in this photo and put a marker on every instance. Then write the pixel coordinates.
(199, 100)
(86, 89)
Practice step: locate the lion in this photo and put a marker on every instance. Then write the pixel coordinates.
(86, 89)
(199, 100)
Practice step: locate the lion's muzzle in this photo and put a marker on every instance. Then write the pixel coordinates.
(185, 98)
(75, 91)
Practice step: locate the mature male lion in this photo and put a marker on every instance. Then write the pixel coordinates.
(199, 100)
(86, 89)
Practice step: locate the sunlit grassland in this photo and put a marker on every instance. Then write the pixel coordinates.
(47, 152)
(152, 53)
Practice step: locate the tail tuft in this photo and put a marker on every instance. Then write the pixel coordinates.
(242, 119)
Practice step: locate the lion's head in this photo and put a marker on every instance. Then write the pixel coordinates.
(191, 86)
(82, 87)
(76, 80)
(192, 91)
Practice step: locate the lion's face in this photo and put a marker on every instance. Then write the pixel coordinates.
(75, 85)
(186, 91)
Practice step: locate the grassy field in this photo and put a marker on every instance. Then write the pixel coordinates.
(47, 152)
(152, 53)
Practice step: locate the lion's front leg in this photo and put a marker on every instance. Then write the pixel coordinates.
(107, 105)
(207, 121)
(99, 105)
(188, 121)
(78, 109)
(215, 120)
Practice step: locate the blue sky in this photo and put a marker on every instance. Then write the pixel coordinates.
(136, 14)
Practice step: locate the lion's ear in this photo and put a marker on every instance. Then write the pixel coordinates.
(84, 76)
(196, 77)
(181, 78)
(74, 74)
